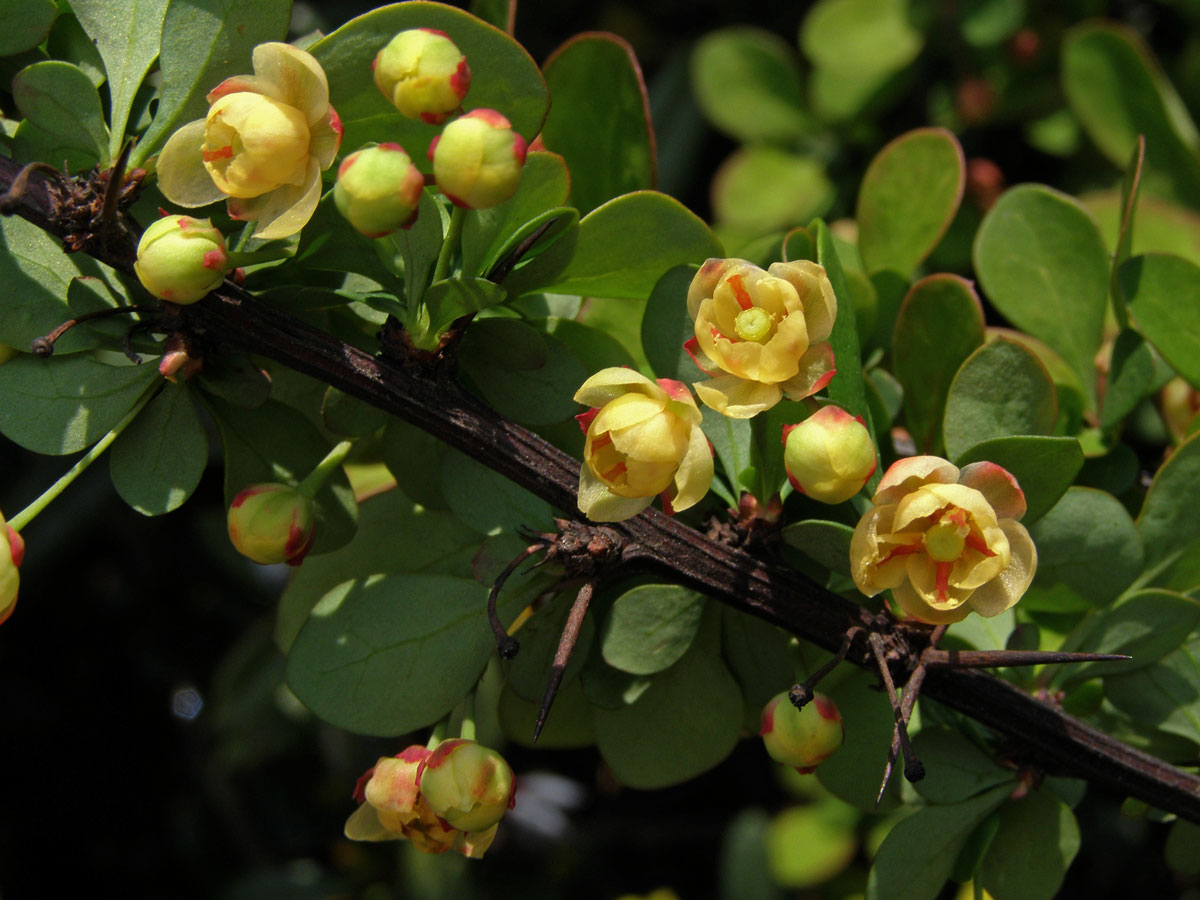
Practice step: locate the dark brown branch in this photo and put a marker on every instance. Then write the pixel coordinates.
(1055, 740)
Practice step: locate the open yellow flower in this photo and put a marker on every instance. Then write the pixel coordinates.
(263, 145)
(762, 335)
(946, 541)
(643, 440)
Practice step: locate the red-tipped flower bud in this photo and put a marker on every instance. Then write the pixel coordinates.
(801, 737)
(272, 523)
(477, 159)
(468, 785)
(423, 74)
(829, 456)
(181, 259)
(12, 551)
(378, 190)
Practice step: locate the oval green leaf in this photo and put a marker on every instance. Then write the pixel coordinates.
(862, 37)
(26, 24)
(1146, 625)
(1168, 522)
(1002, 389)
(1165, 695)
(63, 117)
(1044, 467)
(1042, 262)
(762, 188)
(908, 198)
(600, 118)
(1029, 857)
(1163, 293)
(157, 461)
(666, 325)
(955, 768)
(650, 627)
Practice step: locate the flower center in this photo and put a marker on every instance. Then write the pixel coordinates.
(753, 324)
(947, 538)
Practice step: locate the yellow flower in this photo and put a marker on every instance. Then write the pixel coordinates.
(945, 540)
(643, 440)
(393, 809)
(263, 145)
(760, 334)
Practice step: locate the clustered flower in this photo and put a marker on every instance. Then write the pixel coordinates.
(448, 798)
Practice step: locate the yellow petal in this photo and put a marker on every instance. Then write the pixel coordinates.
(600, 504)
(1010, 585)
(661, 438)
(865, 552)
(922, 575)
(695, 474)
(815, 369)
(815, 292)
(473, 844)
(364, 825)
(906, 475)
(705, 281)
(625, 412)
(182, 177)
(736, 397)
(293, 77)
(609, 384)
(913, 604)
(325, 138)
(930, 499)
(284, 211)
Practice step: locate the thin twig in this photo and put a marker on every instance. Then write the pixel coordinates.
(914, 769)
(506, 645)
(801, 694)
(562, 654)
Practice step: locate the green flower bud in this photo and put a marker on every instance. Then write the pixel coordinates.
(801, 737)
(272, 523)
(378, 190)
(468, 785)
(181, 259)
(477, 159)
(12, 551)
(423, 74)
(829, 456)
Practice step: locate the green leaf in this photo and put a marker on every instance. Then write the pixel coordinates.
(666, 325)
(908, 198)
(1130, 377)
(26, 24)
(64, 404)
(986, 23)
(489, 502)
(847, 389)
(650, 627)
(1043, 466)
(433, 543)
(665, 736)
(388, 655)
(1118, 92)
(595, 348)
(157, 461)
(1164, 297)
(569, 724)
(1130, 190)
(68, 41)
(501, 13)
(1088, 552)
(955, 768)
(503, 76)
(730, 439)
(203, 43)
(417, 248)
(1042, 262)
(600, 118)
(761, 188)
(37, 276)
(918, 854)
(759, 656)
(1161, 226)
(620, 250)
(1030, 855)
(454, 298)
(826, 832)
(860, 37)
(854, 772)
(63, 118)
(1183, 848)
(127, 52)
(939, 325)
(1168, 522)
(534, 395)
(1165, 695)
(1002, 389)
(743, 867)
(328, 243)
(747, 83)
(1146, 625)
(539, 637)
(828, 543)
(981, 633)
(344, 414)
(487, 233)
(411, 454)
(274, 442)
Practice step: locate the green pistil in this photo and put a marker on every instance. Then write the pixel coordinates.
(945, 541)
(753, 324)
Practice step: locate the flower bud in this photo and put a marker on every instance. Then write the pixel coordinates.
(177, 364)
(801, 737)
(423, 74)
(272, 523)
(12, 551)
(477, 159)
(829, 456)
(181, 259)
(468, 785)
(378, 190)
